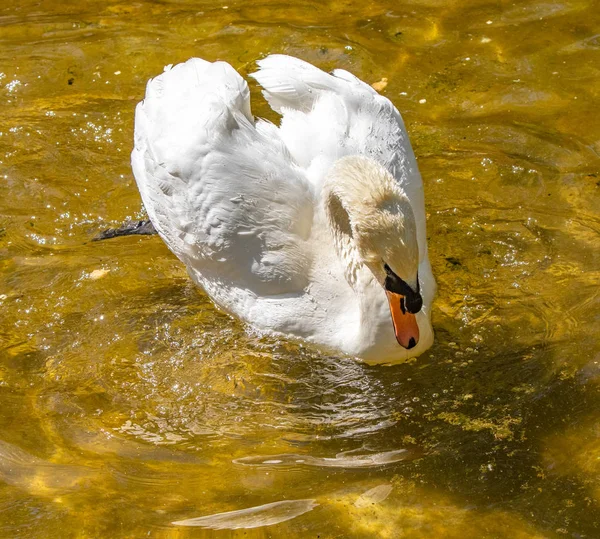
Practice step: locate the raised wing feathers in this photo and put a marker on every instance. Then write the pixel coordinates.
(328, 116)
(357, 119)
(223, 192)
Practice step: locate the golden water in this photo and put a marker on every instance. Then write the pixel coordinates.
(128, 401)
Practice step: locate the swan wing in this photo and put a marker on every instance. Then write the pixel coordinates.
(327, 116)
(221, 189)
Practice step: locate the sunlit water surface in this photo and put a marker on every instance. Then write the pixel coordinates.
(128, 401)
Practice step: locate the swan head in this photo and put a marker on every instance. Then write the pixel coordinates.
(374, 226)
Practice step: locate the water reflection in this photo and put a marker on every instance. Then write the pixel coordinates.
(347, 459)
(252, 517)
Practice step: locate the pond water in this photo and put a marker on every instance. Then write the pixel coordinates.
(128, 401)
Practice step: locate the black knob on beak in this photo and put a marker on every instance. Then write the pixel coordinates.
(413, 302)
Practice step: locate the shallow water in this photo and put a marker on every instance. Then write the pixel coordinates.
(128, 401)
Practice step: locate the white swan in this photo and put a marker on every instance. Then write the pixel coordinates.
(314, 229)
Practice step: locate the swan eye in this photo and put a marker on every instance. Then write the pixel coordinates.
(413, 302)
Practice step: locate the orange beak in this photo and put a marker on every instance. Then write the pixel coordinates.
(405, 323)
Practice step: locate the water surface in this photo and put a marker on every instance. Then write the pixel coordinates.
(129, 402)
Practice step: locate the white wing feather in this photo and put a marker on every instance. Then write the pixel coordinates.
(327, 116)
(224, 193)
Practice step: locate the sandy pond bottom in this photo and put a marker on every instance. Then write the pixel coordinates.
(128, 402)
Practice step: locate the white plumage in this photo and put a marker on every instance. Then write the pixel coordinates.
(288, 227)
